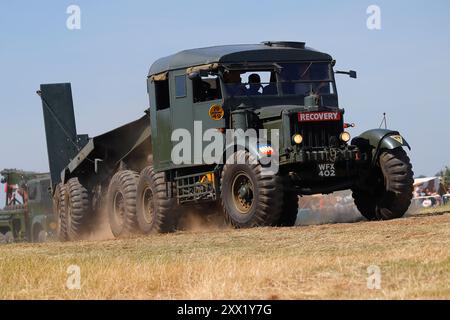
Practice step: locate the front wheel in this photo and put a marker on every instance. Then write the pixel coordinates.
(390, 195)
(250, 198)
(289, 211)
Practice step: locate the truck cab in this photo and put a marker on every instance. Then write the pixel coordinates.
(183, 88)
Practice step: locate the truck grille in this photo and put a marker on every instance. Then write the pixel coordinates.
(317, 134)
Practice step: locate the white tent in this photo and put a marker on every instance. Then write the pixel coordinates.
(430, 183)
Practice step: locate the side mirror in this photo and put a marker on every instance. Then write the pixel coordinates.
(352, 74)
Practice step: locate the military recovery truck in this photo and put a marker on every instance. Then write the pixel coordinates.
(284, 87)
(27, 214)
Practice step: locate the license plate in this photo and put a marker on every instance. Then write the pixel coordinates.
(326, 170)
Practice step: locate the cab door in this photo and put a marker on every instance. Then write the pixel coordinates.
(206, 97)
(160, 121)
(181, 100)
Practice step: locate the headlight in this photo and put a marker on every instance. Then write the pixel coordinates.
(297, 138)
(345, 136)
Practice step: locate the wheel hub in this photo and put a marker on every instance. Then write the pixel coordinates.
(119, 208)
(147, 198)
(242, 192)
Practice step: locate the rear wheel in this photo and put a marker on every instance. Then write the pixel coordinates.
(76, 209)
(58, 210)
(122, 203)
(156, 212)
(249, 198)
(391, 194)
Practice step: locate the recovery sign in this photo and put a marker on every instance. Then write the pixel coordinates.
(318, 116)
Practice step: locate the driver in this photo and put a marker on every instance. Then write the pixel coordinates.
(233, 83)
(254, 82)
(303, 74)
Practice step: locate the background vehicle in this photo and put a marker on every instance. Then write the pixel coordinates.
(27, 215)
(131, 172)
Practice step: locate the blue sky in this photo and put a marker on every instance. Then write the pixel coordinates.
(403, 68)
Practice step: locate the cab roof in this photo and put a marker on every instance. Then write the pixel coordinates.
(269, 51)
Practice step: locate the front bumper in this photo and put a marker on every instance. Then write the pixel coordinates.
(350, 153)
(325, 170)
(323, 155)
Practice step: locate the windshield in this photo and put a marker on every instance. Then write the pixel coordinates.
(284, 79)
(304, 78)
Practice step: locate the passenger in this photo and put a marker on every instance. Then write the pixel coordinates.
(254, 82)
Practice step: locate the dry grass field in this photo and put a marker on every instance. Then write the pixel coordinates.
(308, 262)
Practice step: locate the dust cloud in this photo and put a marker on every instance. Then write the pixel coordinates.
(100, 229)
(337, 207)
(203, 218)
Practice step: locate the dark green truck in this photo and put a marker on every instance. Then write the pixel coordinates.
(27, 214)
(283, 92)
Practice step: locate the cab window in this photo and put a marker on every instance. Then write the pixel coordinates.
(206, 89)
(180, 86)
(162, 94)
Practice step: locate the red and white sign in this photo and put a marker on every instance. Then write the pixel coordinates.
(318, 116)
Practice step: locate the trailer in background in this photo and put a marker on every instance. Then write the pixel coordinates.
(27, 215)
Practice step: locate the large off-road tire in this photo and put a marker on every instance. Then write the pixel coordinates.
(289, 210)
(59, 212)
(156, 212)
(392, 190)
(76, 209)
(121, 203)
(249, 198)
(366, 204)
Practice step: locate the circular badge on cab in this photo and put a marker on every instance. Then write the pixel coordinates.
(216, 112)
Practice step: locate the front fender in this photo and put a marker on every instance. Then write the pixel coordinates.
(233, 147)
(261, 150)
(376, 140)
